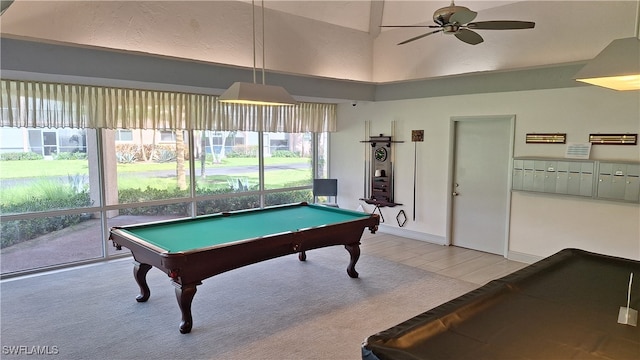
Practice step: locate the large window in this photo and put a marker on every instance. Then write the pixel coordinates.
(35, 180)
(124, 135)
(288, 160)
(77, 159)
(57, 206)
(147, 168)
(49, 194)
(227, 162)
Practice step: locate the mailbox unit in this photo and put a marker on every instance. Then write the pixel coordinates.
(618, 181)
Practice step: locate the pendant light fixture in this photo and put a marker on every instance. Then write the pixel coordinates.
(4, 5)
(616, 67)
(254, 93)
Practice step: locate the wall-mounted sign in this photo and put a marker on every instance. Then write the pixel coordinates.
(546, 138)
(613, 139)
(578, 150)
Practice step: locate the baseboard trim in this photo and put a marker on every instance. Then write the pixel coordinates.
(522, 257)
(410, 234)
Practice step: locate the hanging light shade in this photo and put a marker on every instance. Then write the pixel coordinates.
(4, 5)
(616, 67)
(256, 94)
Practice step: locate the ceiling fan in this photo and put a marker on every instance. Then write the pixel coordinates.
(456, 20)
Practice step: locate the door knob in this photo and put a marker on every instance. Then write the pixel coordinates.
(455, 193)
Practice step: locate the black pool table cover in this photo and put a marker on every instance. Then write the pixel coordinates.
(562, 307)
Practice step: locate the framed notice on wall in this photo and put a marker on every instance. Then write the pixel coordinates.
(578, 150)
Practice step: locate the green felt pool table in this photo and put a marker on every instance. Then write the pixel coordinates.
(191, 250)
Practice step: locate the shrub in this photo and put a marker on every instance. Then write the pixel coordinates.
(44, 197)
(135, 195)
(219, 205)
(232, 154)
(180, 209)
(241, 151)
(128, 153)
(11, 156)
(78, 183)
(289, 197)
(183, 209)
(163, 156)
(17, 231)
(285, 154)
(70, 156)
(69, 199)
(126, 157)
(239, 185)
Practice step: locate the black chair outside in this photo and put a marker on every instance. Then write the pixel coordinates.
(325, 188)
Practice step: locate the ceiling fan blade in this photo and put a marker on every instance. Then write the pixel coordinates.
(419, 37)
(462, 16)
(468, 36)
(410, 26)
(501, 25)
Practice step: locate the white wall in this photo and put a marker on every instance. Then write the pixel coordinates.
(540, 224)
(221, 32)
(213, 31)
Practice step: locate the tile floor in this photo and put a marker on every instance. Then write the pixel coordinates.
(460, 263)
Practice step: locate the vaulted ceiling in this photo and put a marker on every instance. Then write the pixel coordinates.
(334, 39)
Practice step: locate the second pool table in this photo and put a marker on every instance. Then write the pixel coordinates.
(191, 250)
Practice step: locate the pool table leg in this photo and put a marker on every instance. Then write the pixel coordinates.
(185, 294)
(140, 274)
(354, 251)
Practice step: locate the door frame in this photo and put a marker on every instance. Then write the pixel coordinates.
(452, 161)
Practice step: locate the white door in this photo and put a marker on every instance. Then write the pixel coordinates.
(480, 190)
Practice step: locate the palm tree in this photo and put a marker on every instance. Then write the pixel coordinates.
(182, 179)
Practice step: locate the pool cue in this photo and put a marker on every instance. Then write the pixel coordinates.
(392, 176)
(367, 163)
(416, 135)
(415, 166)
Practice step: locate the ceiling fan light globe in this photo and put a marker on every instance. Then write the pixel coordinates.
(450, 29)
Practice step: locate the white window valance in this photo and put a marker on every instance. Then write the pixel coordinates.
(53, 105)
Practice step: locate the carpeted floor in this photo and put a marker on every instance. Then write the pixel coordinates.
(277, 309)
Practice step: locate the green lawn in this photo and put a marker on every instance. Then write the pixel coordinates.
(44, 168)
(140, 176)
(276, 179)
